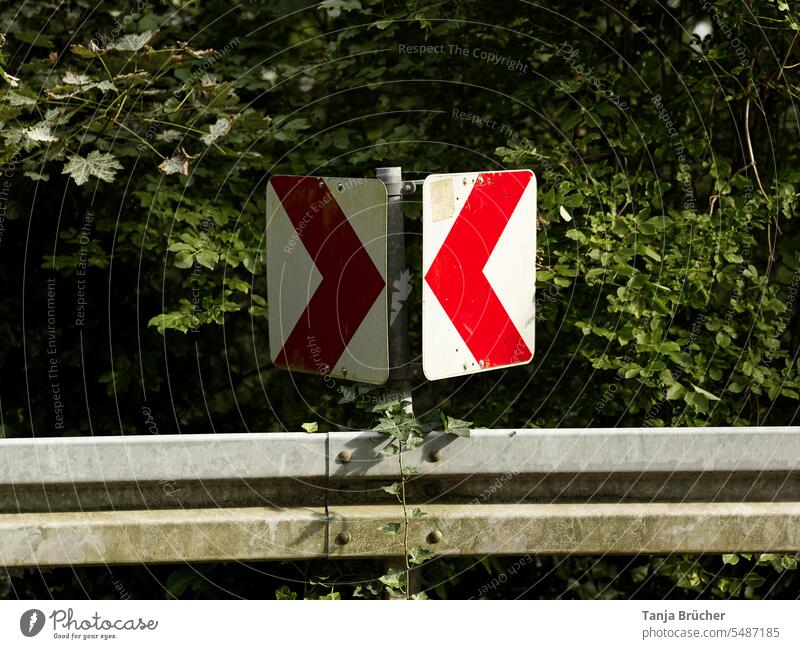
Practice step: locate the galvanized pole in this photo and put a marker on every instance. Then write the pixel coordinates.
(400, 370)
(399, 354)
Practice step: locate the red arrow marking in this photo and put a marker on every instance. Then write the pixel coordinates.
(350, 280)
(456, 274)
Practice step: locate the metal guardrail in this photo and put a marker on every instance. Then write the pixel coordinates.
(141, 458)
(282, 495)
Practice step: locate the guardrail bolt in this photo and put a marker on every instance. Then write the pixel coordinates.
(436, 456)
(435, 537)
(344, 457)
(343, 538)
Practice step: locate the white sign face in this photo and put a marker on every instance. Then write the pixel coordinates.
(326, 276)
(479, 270)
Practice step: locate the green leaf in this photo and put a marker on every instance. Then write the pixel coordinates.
(184, 260)
(164, 321)
(284, 592)
(723, 340)
(390, 529)
(394, 578)
(651, 253)
(21, 97)
(418, 555)
(207, 258)
(390, 450)
(416, 512)
(705, 393)
(101, 165)
(730, 559)
(132, 42)
(675, 391)
(697, 400)
(383, 406)
(311, 427)
(393, 489)
(456, 426)
(753, 580)
(35, 38)
(332, 596)
(343, 5)
(387, 426)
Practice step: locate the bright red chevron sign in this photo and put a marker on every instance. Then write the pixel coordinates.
(326, 276)
(479, 265)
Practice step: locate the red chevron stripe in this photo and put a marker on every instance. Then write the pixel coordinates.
(456, 275)
(350, 280)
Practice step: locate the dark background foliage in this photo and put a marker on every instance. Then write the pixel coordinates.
(137, 141)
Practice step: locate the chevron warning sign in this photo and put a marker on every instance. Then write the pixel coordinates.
(326, 276)
(479, 269)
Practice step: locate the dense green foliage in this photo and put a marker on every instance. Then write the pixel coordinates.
(136, 144)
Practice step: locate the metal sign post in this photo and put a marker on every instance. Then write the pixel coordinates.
(398, 278)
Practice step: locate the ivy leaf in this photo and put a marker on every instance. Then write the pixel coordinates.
(383, 406)
(284, 592)
(395, 578)
(132, 42)
(390, 529)
(311, 427)
(101, 165)
(418, 555)
(416, 512)
(387, 426)
(390, 450)
(456, 426)
(393, 489)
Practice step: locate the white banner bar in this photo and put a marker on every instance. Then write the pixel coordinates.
(390, 624)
